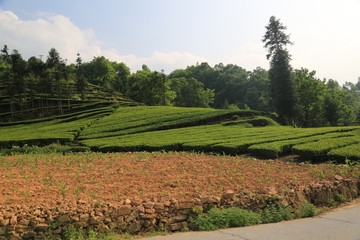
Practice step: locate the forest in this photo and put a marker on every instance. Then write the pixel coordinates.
(34, 84)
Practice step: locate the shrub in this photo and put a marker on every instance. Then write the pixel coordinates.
(340, 198)
(307, 210)
(276, 214)
(231, 217)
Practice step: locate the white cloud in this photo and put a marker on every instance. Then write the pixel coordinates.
(36, 37)
(33, 38)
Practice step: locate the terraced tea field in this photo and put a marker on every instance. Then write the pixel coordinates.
(187, 129)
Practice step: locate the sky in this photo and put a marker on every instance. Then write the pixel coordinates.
(172, 34)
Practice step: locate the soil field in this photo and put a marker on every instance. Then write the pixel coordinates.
(115, 177)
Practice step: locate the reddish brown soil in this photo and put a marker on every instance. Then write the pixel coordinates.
(112, 178)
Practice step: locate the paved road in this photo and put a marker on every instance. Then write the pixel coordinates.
(342, 224)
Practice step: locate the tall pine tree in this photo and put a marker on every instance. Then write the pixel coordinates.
(282, 86)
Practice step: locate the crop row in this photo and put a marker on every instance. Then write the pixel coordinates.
(231, 139)
(129, 120)
(42, 132)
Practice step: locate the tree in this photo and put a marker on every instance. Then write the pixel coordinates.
(100, 71)
(151, 88)
(191, 93)
(258, 90)
(282, 86)
(80, 77)
(57, 76)
(122, 73)
(310, 93)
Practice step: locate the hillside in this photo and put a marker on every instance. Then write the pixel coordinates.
(42, 105)
(109, 127)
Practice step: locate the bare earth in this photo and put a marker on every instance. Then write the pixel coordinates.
(112, 178)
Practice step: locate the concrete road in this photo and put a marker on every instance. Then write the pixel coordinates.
(341, 224)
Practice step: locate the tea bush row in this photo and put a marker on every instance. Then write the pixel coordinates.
(62, 129)
(268, 141)
(129, 120)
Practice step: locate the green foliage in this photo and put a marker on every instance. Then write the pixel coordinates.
(273, 214)
(231, 217)
(307, 210)
(276, 148)
(319, 149)
(138, 130)
(340, 198)
(351, 153)
(61, 129)
(151, 88)
(310, 94)
(142, 119)
(191, 93)
(73, 233)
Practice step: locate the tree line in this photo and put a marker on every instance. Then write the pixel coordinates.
(296, 95)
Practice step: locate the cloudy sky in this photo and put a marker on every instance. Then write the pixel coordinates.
(171, 34)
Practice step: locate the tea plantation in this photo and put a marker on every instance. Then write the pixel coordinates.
(112, 127)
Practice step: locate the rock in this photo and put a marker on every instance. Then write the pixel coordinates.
(150, 211)
(13, 220)
(107, 220)
(160, 206)
(140, 208)
(75, 218)
(229, 194)
(127, 202)
(29, 234)
(179, 218)
(84, 217)
(204, 199)
(178, 226)
(41, 227)
(13, 236)
(149, 216)
(186, 205)
(124, 210)
(4, 222)
(24, 222)
(149, 205)
(64, 219)
(134, 227)
(214, 199)
(338, 177)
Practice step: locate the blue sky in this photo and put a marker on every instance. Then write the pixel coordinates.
(171, 34)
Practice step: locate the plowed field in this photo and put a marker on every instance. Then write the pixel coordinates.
(112, 178)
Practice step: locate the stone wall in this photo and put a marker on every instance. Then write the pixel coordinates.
(136, 216)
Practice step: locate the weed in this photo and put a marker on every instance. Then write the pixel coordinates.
(63, 189)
